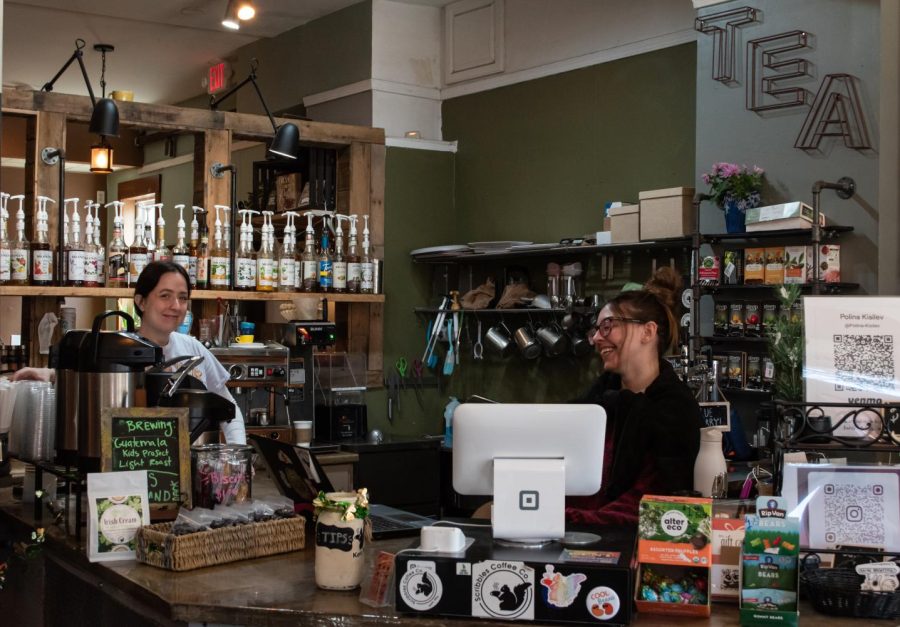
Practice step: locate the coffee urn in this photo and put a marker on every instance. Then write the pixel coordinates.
(111, 367)
(64, 358)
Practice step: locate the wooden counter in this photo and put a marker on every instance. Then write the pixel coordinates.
(278, 590)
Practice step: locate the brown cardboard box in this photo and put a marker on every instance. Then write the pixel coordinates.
(666, 213)
(754, 265)
(625, 224)
(774, 273)
(287, 191)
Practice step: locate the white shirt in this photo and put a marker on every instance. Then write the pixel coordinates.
(213, 375)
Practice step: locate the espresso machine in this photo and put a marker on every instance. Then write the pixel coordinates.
(258, 385)
(302, 338)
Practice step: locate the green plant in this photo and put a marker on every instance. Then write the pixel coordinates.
(786, 345)
(731, 179)
(350, 509)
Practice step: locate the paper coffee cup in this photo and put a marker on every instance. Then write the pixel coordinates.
(303, 431)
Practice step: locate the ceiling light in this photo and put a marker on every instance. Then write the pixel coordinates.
(231, 19)
(246, 10)
(101, 158)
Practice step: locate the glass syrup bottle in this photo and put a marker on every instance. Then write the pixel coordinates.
(101, 249)
(5, 249)
(20, 255)
(203, 256)
(180, 252)
(163, 252)
(117, 250)
(137, 252)
(91, 268)
(308, 262)
(74, 257)
(41, 252)
(367, 265)
(218, 257)
(287, 259)
(245, 257)
(265, 260)
(354, 268)
(340, 261)
(194, 248)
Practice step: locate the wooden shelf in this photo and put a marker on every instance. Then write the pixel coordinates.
(824, 288)
(128, 292)
(738, 339)
(529, 311)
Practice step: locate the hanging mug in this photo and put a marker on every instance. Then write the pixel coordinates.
(555, 342)
(528, 345)
(498, 339)
(581, 345)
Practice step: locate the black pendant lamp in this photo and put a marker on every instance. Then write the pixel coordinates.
(286, 143)
(104, 117)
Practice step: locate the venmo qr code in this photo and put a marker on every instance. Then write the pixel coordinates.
(854, 514)
(863, 362)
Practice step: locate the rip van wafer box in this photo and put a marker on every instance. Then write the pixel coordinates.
(674, 555)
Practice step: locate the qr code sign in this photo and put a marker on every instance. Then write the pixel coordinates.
(852, 514)
(863, 362)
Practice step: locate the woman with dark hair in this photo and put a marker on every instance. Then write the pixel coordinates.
(161, 297)
(653, 419)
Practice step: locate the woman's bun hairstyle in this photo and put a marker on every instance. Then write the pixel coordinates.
(666, 285)
(657, 302)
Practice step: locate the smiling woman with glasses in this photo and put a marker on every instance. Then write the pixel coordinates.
(653, 428)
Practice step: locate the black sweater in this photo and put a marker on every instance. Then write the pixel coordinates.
(664, 421)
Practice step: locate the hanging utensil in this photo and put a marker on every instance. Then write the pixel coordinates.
(478, 348)
(435, 332)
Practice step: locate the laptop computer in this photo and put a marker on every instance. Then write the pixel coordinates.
(299, 476)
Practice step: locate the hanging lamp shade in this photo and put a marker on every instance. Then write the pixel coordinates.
(286, 143)
(105, 118)
(231, 19)
(101, 158)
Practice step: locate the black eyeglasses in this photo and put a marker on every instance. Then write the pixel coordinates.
(605, 326)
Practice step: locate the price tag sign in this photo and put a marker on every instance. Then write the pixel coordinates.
(716, 415)
(155, 439)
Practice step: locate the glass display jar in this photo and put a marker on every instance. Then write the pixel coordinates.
(221, 474)
(340, 539)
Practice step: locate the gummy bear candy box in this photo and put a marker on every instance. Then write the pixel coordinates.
(675, 555)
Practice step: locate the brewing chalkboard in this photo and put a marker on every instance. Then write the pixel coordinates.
(155, 439)
(716, 415)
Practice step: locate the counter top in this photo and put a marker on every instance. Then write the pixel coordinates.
(277, 590)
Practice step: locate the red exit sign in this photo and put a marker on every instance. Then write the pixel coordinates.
(217, 78)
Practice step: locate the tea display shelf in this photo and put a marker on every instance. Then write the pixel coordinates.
(824, 288)
(469, 256)
(128, 292)
(828, 232)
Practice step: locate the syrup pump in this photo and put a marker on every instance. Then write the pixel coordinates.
(91, 271)
(163, 252)
(117, 251)
(287, 260)
(246, 256)
(5, 250)
(218, 256)
(180, 252)
(20, 257)
(42, 256)
(340, 260)
(309, 265)
(354, 268)
(265, 260)
(367, 265)
(73, 264)
(100, 248)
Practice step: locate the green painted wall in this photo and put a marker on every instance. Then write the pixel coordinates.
(418, 212)
(537, 160)
(292, 65)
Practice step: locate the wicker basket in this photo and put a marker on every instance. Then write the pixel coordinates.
(157, 547)
(836, 591)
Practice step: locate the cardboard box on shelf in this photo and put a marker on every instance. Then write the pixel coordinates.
(788, 215)
(754, 265)
(675, 555)
(774, 273)
(795, 264)
(625, 224)
(287, 191)
(829, 263)
(666, 213)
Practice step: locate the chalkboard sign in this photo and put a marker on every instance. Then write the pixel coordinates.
(716, 415)
(155, 439)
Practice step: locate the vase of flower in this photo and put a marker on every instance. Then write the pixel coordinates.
(736, 211)
(735, 188)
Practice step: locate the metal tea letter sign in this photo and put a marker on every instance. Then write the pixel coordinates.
(837, 108)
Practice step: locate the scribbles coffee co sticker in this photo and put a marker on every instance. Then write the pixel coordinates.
(503, 590)
(561, 590)
(420, 587)
(603, 603)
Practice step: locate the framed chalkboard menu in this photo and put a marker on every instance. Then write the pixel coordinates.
(716, 414)
(155, 439)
